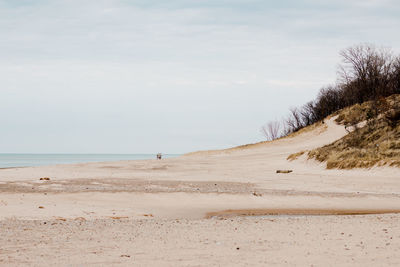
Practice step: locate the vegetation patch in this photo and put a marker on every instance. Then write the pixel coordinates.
(366, 76)
(294, 156)
(377, 143)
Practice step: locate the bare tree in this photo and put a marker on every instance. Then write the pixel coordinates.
(395, 76)
(365, 72)
(307, 113)
(272, 130)
(294, 121)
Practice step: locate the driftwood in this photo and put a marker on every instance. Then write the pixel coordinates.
(284, 171)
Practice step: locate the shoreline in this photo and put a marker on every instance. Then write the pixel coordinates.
(26, 160)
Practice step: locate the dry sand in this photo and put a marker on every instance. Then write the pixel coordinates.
(189, 211)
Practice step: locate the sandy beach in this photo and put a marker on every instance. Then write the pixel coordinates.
(204, 208)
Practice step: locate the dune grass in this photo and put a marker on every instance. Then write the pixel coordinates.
(295, 156)
(376, 144)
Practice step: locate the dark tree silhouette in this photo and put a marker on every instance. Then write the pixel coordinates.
(366, 73)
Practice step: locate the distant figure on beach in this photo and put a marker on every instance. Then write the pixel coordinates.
(159, 156)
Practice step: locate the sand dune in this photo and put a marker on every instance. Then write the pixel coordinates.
(220, 185)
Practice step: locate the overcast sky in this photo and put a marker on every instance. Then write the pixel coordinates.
(169, 76)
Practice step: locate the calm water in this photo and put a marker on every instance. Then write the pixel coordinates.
(25, 160)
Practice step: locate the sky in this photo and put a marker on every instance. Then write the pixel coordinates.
(130, 76)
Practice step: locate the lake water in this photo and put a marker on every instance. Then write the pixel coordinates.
(26, 160)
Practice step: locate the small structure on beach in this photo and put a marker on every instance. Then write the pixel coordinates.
(159, 155)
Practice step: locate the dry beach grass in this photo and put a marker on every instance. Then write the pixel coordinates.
(376, 143)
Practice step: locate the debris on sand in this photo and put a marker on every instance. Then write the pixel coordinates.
(284, 171)
(119, 217)
(44, 179)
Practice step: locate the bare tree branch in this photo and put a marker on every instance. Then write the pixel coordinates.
(271, 130)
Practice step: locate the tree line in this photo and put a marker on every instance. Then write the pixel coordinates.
(366, 73)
